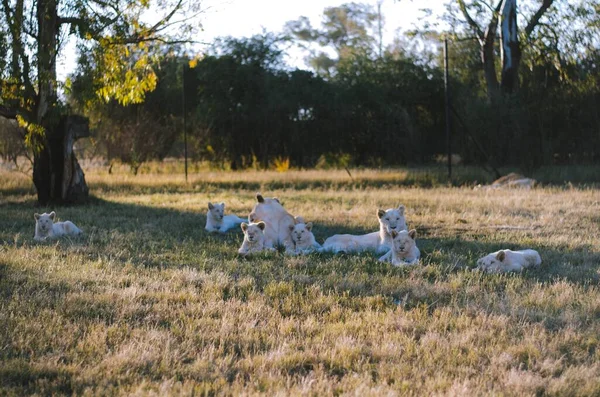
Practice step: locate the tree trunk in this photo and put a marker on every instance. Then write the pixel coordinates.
(489, 68)
(510, 49)
(57, 175)
(47, 46)
(487, 40)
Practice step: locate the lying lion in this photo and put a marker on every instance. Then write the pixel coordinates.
(507, 261)
(380, 242)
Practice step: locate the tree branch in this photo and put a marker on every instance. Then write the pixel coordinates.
(71, 20)
(474, 25)
(490, 32)
(139, 39)
(17, 47)
(8, 113)
(535, 19)
(165, 19)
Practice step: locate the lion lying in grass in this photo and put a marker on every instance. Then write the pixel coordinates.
(254, 239)
(507, 261)
(404, 249)
(380, 242)
(45, 228)
(303, 238)
(217, 221)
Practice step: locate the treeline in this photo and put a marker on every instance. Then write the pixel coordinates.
(244, 107)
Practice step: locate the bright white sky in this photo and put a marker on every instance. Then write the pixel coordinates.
(243, 18)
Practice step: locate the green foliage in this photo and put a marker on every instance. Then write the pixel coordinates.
(246, 108)
(129, 131)
(112, 34)
(127, 83)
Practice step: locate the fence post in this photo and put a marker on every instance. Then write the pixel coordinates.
(184, 110)
(447, 100)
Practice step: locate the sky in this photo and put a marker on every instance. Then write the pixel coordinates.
(244, 18)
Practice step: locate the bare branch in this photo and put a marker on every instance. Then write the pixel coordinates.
(490, 32)
(474, 25)
(17, 47)
(138, 39)
(535, 19)
(165, 19)
(71, 20)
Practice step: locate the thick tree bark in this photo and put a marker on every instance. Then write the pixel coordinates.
(488, 58)
(57, 176)
(511, 48)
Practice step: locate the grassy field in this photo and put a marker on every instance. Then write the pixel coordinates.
(148, 303)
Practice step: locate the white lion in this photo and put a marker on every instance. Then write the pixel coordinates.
(303, 238)
(278, 221)
(45, 228)
(217, 221)
(506, 261)
(254, 238)
(404, 249)
(381, 241)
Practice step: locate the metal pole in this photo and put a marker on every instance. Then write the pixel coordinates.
(447, 100)
(185, 153)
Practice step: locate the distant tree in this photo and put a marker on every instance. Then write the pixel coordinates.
(36, 31)
(349, 29)
(484, 18)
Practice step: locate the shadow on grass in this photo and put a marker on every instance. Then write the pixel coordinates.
(121, 235)
(579, 266)
(164, 237)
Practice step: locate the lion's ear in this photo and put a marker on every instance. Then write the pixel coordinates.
(380, 213)
(260, 198)
(394, 234)
(36, 216)
(277, 199)
(291, 227)
(222, 204)
(261, 225)
(244, 226)
(210, 206)
(309, 226)
(401, 209)
(52, 215)
(412, 234)
(501, 255)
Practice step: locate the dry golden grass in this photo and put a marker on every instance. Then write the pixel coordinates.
(148, 303)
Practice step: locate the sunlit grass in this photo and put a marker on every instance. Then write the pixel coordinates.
(147, 302)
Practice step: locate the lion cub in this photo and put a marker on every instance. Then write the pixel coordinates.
(404, 249)
(506, 261)
(254, 238)
(303, 238)
(217, 221)
(45, 228)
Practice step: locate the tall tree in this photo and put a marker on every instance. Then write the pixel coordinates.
(349, 29)
(489, 15)
(37, 30)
